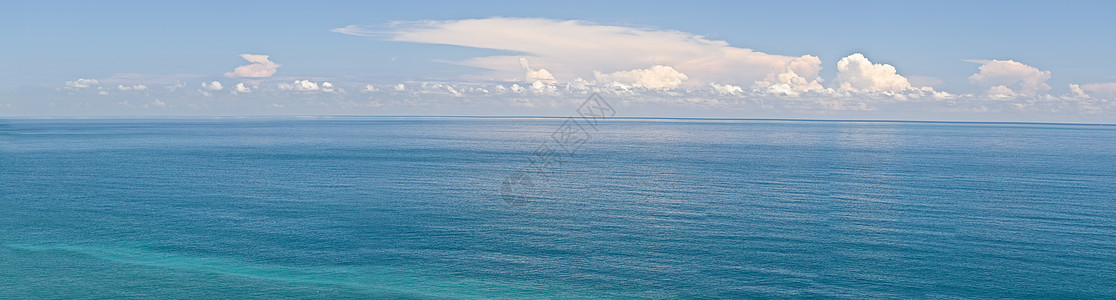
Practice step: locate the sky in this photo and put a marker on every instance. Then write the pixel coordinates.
(1023, 61)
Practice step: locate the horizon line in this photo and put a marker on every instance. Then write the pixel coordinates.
(554, 117)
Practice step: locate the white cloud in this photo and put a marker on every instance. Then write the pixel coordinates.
(308, 86)
(300, 85)
(942, 95)
(157, 103)
(726, 89)
(429, 88)
(856, 73)
(618, 56)
(260, 67)
(535, 75)
(655, 77)
(723, 99)
(1077, 92)
(240, 88)
(1021, 79)
(175, 86)
(789, 82)
(81, 83)
(368, 88)
(454, 91)
(1106, 90)
(1001, 92)
(540, 88)
(572, 49)
(353, 30)
(138, 87)
(400, 87)
(212, 86)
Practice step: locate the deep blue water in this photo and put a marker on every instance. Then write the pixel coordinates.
(412, 208)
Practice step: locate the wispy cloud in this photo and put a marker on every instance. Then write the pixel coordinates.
(577, 49)
(355, 30)
(1105, 90)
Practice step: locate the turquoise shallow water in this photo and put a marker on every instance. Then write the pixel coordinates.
(412, 208)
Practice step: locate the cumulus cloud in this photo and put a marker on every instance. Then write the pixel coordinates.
(400, 87)
(456, 96)
(260, 67)
(789, 82)
(300, 85)
(240, 88)
(726, 89)
(212, 86)
(307, 86)
(540, 88)
(1077, 92)
(572, 49)
(535, 75)
(81, 83)
(1020, 79)
(655, 77)
(856, 73)
(1000, 92)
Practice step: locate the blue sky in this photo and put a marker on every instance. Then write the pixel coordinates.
(689, 60)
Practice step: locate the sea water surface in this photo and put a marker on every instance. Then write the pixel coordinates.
(645, 208)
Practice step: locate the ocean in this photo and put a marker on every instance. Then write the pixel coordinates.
(455, 207)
